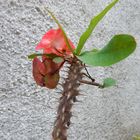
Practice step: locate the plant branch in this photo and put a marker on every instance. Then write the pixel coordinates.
(89, 76)
(66, 101)
(91, 83)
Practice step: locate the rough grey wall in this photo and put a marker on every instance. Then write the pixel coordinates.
(27, 111)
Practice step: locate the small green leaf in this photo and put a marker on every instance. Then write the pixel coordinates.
(32, 56)
(58, 59)
(92, 25)
(108, 82)
(120, 47)
(136, 137)
(95, 50)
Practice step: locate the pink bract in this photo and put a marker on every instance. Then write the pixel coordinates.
(54, 42)
(46, 73)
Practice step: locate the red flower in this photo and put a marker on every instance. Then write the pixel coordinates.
(46, 73)
(53, 42)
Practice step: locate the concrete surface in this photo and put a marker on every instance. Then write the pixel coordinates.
(27, 111)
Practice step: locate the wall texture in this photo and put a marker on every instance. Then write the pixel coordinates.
(27, 111)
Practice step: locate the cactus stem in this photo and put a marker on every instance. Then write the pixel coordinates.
(68, 98)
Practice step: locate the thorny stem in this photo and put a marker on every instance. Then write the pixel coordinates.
(69, 94)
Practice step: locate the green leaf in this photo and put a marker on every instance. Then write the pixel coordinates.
(136, 137)
(32, 56)
(58, 59)
(108, 82)
(64, 33)
(95, 50)
(92, 25)
(120, 47)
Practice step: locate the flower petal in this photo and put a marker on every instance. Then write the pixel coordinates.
(38, 66)
(46, 39)
(53, 42)
(51, 81)
(51, 67)
(38, 71)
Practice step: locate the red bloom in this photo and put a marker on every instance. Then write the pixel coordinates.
(53, 42)
(46, 73)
